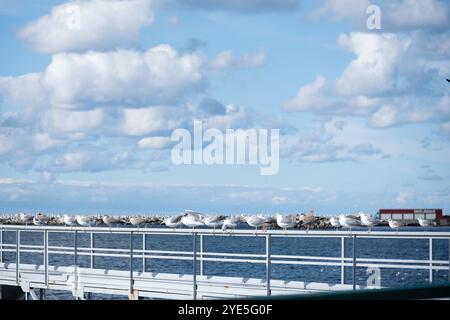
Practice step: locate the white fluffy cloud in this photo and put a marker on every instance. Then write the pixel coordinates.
(418, 14)
(129, 78)
(377, 56)
(123, 77)
(153, 120)
(396, 15)
(228, 60)
(155, 142)
(393, 79)
(88, 25)
(384, 117)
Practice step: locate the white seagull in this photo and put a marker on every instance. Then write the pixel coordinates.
(213, 221)
(395, 224)
(136, 221)
(368, 220)
(192, 219)
(109, 221)
(26, 218)
(255, 221)
(70, 220)
(348, 222)
(426, 223)
(231, 223)
(285, 222)
(334, 221)
(40, 219)
(86, 221)
(173, 222)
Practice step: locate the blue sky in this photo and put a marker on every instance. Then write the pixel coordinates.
(86, 112)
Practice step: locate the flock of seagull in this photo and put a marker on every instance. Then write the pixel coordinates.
(193, 219)
(369, 221)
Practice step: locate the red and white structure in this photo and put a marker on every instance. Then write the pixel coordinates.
(409, 214)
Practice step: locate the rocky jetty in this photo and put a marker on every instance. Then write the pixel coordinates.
(303, 222)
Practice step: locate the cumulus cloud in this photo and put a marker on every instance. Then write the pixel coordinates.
(88, 25)
(377, 57)
(153, 120)
(129, 78)
(247, 6)
(122, 77)
(394, 79)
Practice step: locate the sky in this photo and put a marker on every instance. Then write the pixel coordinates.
(91, 91)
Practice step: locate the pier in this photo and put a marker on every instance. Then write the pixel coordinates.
(137, 281)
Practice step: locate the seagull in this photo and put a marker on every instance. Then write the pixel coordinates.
(192, 219)
(136, 221)
(59, 219)
(395, 224)
(231, 223)
(110, 220)
(426, 223)
(255, 221)
(70, 220)
(40, 219)
(213, 221)
(86, 221)
(368, 221)
(348, 222)
(26, 218)
(334, 221)
(173, 222)
(285, 222)
(308, 220)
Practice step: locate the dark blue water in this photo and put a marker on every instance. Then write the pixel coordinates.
(322, 247)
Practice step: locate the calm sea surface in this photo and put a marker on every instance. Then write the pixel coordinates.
(326, 247)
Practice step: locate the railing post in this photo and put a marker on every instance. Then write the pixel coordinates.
(17, 255)
(268, 264)
(448, 277)
(92, 250)
(201, 254)
(1, 244)
(194, 266)
(131, 263)
(431, 259)
(75, 263)
(342, 260)
(46, 256)
(354, 262)
(144, 248)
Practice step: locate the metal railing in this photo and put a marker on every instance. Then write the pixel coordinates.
(202, 256)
